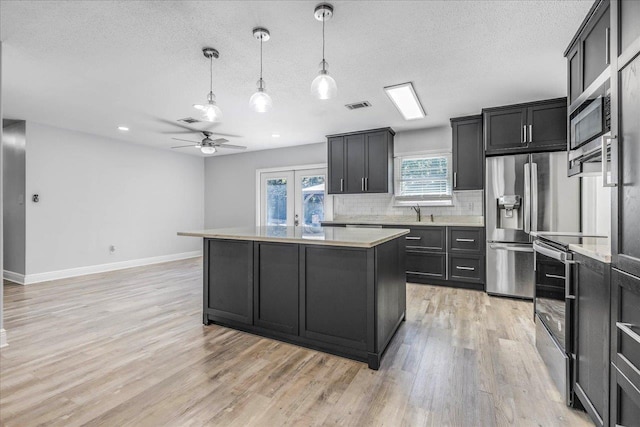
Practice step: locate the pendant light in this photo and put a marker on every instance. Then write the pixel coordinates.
(323, 86)
(210, 111)
(261, 101)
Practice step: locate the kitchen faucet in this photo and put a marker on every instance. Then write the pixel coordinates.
(417, 209)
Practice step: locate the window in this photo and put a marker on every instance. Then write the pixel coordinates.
(424, 179)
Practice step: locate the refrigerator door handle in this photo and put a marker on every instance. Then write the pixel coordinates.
(534, 197)
(527, 198)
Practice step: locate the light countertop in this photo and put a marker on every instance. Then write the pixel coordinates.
(600, 251)
(438, 221)
(328, 236)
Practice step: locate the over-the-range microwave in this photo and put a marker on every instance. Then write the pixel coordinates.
(589, 137)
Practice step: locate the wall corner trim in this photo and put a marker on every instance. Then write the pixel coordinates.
(29, 279)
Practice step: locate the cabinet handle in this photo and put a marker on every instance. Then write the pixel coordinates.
(366, 183)
(524, 135)
(530, 133)
(614, 160)
(341, 185)
(626, 328)
(455, 179)
(465, 268)
(413, 238)
(607, 48)
(554, 276)
(362, 184)
(465, 240)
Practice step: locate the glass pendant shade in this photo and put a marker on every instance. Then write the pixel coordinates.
(207, 149)
(210, 111)
(324, 86)
(261, 101)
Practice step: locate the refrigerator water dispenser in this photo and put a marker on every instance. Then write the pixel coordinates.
(509, 213)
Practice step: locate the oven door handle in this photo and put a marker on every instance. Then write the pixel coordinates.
(549, 251)
(514, 247)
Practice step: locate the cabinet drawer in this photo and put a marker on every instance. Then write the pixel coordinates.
(550, 276)
(627, 325)
(427, 238)
(466, 239)
(469, 268)
(625, 397)
(426, 264)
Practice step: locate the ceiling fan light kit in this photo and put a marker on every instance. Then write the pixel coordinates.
(323, 86)
(210, 111)
(260, 101)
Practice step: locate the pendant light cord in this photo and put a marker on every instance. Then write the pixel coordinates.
(261, 39)
(211, 74)
(323, 61)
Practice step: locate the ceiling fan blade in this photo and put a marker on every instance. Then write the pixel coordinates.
(208, 125)
(184, 146)
(188, 140)
(230, 135)
(235, 147)
(219, 141)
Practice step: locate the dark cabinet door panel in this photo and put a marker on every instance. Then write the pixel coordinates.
(466, 239)
(276, 287)
(592, 336)
(547, 126)
(629, 176)
(594, 48)
(626, 409)
(504, 130)
(629, 11)
(574, 73)
(377, 149)
(468, 154)
(230, 290)
(336, 165)
(335, 296)
(355, 157)
(426, 264)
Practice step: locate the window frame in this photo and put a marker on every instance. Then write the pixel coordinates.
(425, 199)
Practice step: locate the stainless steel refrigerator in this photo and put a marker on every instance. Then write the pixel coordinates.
(525, 193)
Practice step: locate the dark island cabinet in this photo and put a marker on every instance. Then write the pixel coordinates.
(361, 162)
(625, 350)
(468, 153)
(591, 320)
(526, 128)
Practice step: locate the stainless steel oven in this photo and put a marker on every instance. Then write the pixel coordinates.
(553, 306)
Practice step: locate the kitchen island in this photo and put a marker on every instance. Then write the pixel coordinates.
(338, 290)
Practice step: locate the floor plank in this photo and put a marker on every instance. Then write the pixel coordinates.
(128, 348)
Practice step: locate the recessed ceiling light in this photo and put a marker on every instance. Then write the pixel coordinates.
(406, 101)
(123, 128)
(275, 135)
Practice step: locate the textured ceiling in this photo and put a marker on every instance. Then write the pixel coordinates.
(93, 65)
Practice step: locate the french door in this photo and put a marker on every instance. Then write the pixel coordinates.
(293, 197)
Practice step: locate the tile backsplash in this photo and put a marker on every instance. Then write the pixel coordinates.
(467, 203)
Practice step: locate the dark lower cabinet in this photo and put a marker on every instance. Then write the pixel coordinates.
(466, 268)
(227, 294)
(591, 339)
(425, 266)
(625, 349)
(344, 300)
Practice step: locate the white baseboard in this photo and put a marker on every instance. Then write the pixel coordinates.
(14, 277)
(3, 338)
(101, 268)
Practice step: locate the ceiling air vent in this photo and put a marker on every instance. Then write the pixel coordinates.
(356, 105)
(189, 120)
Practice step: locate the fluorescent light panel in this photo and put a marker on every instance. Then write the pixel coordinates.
(406, 101)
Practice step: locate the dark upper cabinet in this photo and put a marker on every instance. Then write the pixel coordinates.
(629, 24)
(589, 52)
(336, 163)
(591, 336)
(468, 153)
(361, 162)
(525, 128)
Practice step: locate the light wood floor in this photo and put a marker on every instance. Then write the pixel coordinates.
(128, 348)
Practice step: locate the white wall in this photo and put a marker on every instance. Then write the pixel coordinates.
(13, 195)
(230, 181)
(96, 192)
(431, 139)
(596, 206)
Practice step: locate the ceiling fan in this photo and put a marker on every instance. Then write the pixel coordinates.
(208, 145)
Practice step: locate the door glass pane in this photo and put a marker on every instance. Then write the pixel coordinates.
(312, 200)
(276, 201)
